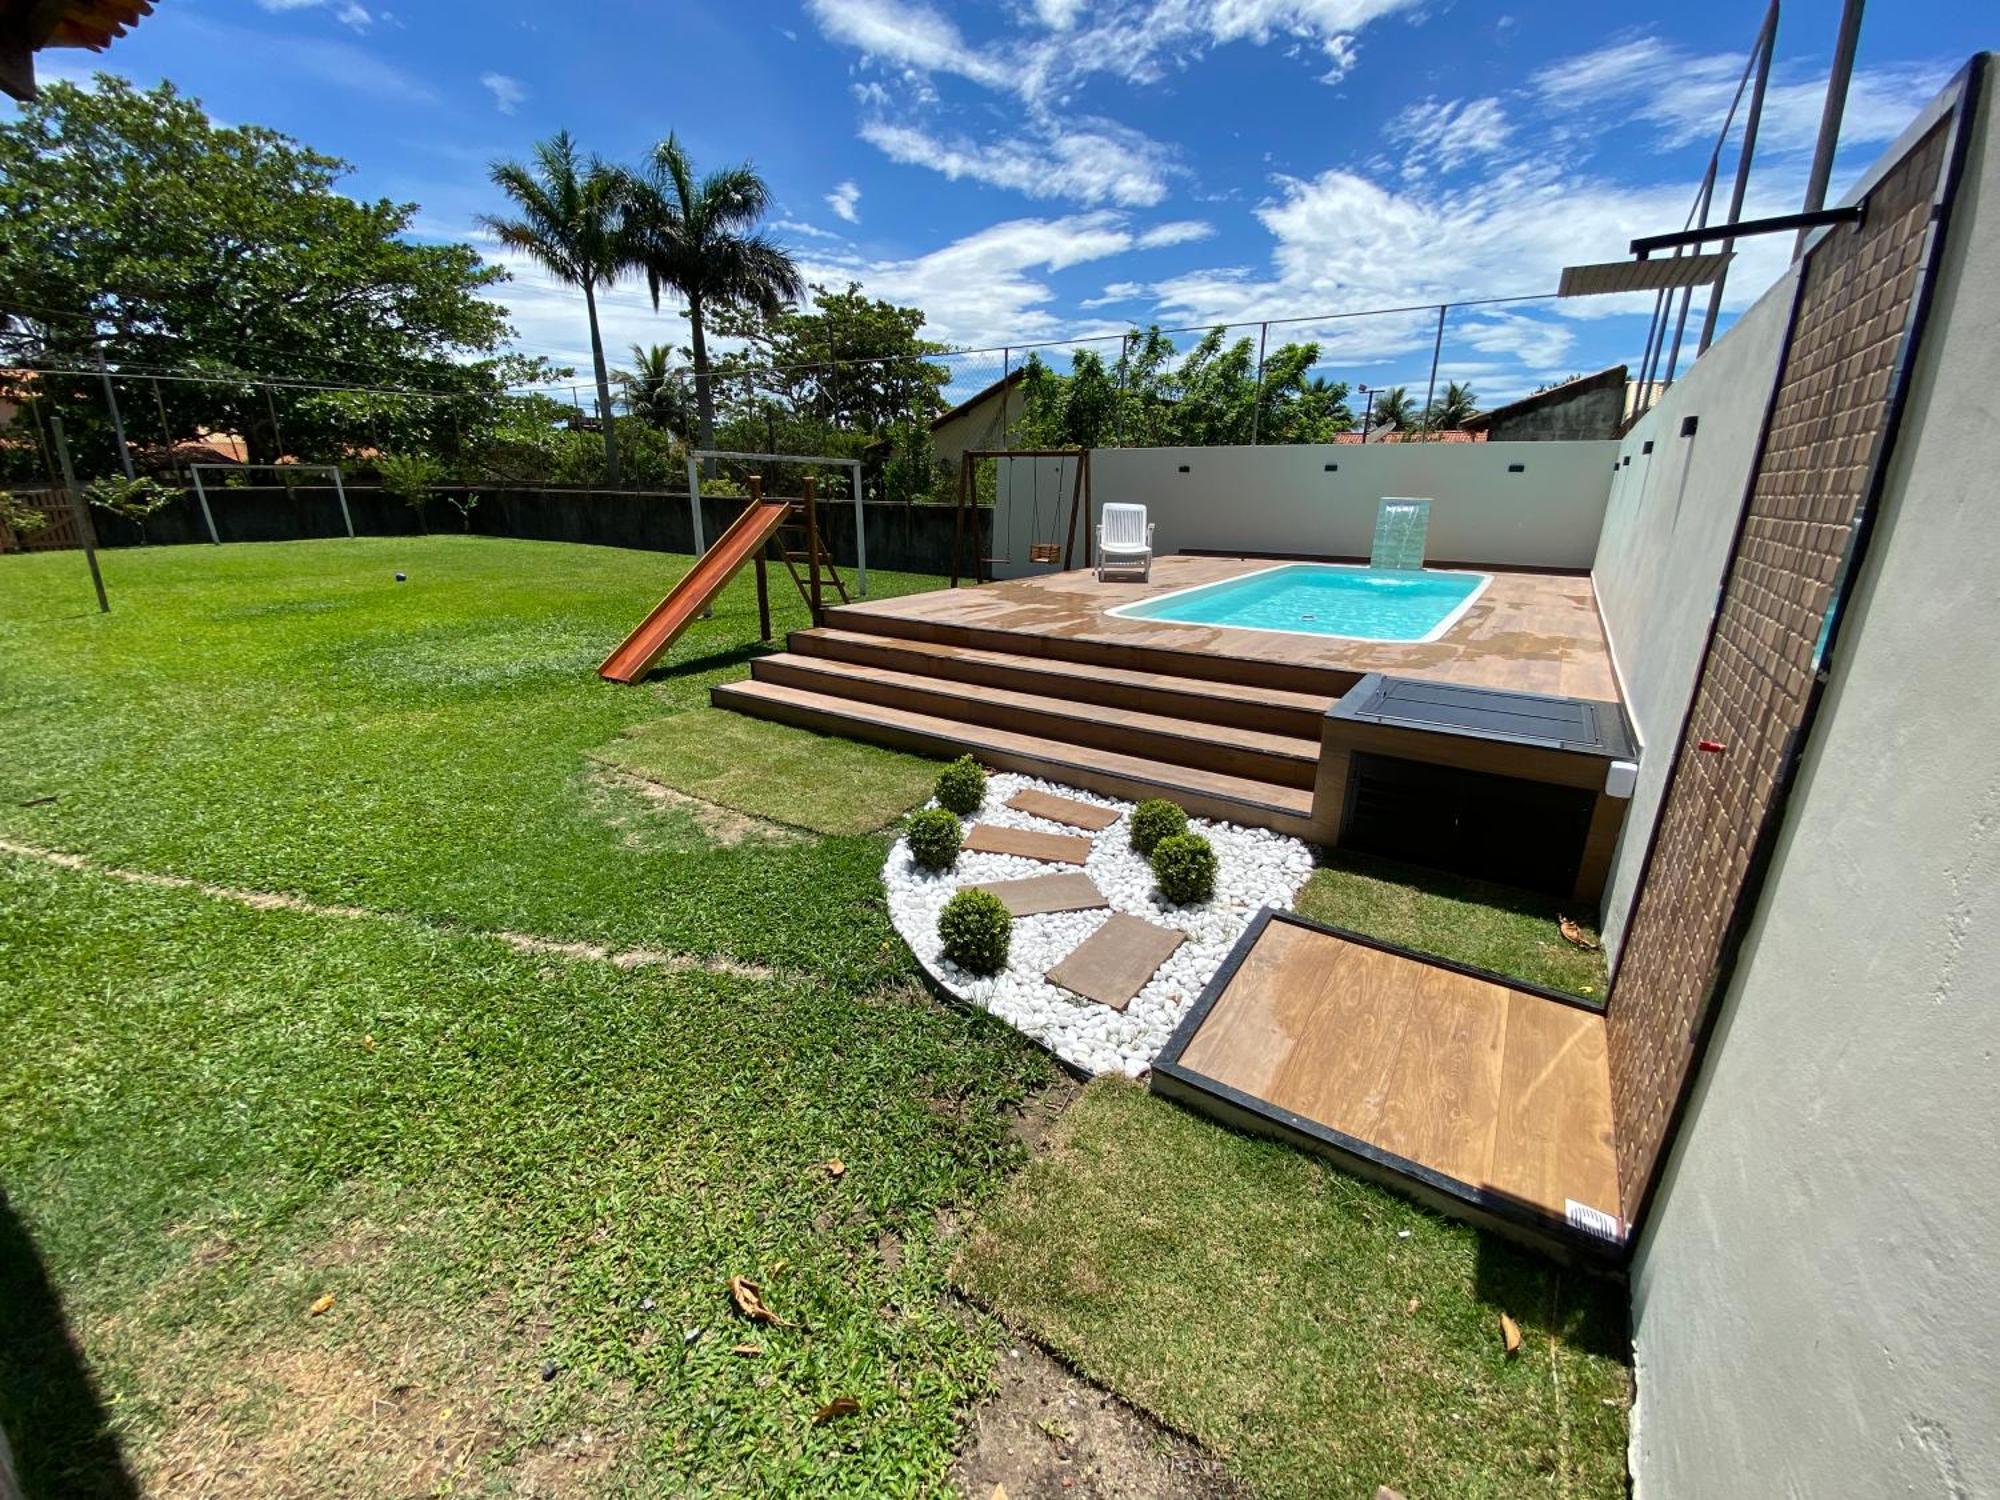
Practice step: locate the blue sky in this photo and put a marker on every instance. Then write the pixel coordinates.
(1043, 169)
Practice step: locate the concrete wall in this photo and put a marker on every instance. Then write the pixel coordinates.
(1816, 1296)
(1586, 409)
(985, 424)
(1286, 499)
(1660, 557)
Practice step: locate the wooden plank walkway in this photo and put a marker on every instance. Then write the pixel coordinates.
(1504, 1091)
(1063, 810)
(1038, 895)
(1055, 848)
(1114, 962)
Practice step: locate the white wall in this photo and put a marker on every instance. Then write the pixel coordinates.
(1661, 554)
(1282, 499)
(1816, 1295)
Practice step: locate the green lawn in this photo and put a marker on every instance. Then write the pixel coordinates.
(522, 1176)
(1323, 1337)
(1488, 926)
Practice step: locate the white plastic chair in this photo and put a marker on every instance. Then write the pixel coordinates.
(1124, 543)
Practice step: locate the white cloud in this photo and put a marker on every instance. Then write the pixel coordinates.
(1683, 95)
(810, 231)
(842, 201)
(1174, 232)
(1446, 134)
(347, 12)
(1088, 161)
(1118, 291)
(507, 92)
(1055, 46)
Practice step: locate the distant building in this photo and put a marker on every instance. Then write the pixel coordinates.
(984, 420)
(1589, 407)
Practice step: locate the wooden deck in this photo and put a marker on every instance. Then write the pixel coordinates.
(1530, 632)
(1488, 1099)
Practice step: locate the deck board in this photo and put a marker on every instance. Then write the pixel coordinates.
(1500, 1089)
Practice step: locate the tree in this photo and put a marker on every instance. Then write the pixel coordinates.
(411, 478)
(1396, 407)
(697, 237)
(655, 391)
(137, 500)
(132, 224)
(1453, 409)
(570, 225)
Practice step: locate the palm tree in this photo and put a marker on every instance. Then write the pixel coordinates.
(1396, 408)
(569, 225)
(696, 236)
(655, 392)
(1454, 409)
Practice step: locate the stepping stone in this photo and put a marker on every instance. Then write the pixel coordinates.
(1057, 848)
(1063, 810)
(1114, 962)
(1040, 894)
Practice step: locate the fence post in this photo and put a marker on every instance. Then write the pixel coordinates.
(694, 503)
(1257, 401)
(117, 420)
(201, 495)
(1437, 348)
(861, 535)
(81, 513)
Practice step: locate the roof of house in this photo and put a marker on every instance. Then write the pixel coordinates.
(1614, 377)
(1012, 377)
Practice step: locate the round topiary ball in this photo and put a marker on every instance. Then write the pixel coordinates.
(977, 931)
(961, 786)
(1184, 867)
(933, 837)
(1153, 820)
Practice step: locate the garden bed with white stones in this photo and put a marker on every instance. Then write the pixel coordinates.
(1255, 868)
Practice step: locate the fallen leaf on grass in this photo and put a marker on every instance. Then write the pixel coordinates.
(321, 1303)
(839, 1406)
(749, 1298)
(1510, 1335)
(1575, 936)
(748, 1351)
(999, 1492)
(836, 1169)
(1414, 1304)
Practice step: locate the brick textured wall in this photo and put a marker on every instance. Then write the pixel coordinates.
(1849, 329)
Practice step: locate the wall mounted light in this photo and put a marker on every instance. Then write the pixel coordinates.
(1647, 447)
(1517, 468)
(1184, 468)
(1330, 468)
(1688, 426)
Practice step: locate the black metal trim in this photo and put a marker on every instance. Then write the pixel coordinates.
(1500, 1206)
(1969, 85)
(1818, 218)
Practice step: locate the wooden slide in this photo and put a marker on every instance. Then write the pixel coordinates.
(744, 539)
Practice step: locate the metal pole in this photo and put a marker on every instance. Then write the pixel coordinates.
(1687, 293)
(1767, 42)
(277, 432)
(1006, 370)
(201, 495)
(340, 490)
(85, 533)
(694, 503)
(812, 552)
(117, 421)
(860, 536)
(1437, 348)
(1257, 401)
(1656, 332)
(1124, 370)
(1829, 120)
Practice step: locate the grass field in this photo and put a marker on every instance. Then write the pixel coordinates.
(319, 1009)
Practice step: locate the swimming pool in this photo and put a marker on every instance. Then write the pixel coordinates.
(1345, 601)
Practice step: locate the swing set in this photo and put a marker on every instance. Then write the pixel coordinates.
(1042, 544)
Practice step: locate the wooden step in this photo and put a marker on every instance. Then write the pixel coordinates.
(1284, 759)
(862, 618)
(1273, 710)
(1206, 794)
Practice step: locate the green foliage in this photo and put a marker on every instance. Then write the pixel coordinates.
(1184, 867)
(234, 248)
(1451, 410)
(961, 786)
(1153, 820)
(137, 500)
(410, 477)
(657, 392)
(20, 517)
(977, 931)
(1154, 397)
(934, 837)
(1395, 407)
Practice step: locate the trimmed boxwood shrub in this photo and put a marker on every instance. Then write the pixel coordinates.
(1184, 867)
(977, 931)
(934, 837)
(1153, 820)
(962, 786)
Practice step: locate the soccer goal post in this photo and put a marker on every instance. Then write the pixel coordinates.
(208, 515)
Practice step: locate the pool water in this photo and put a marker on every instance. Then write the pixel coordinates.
(1330, 599)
